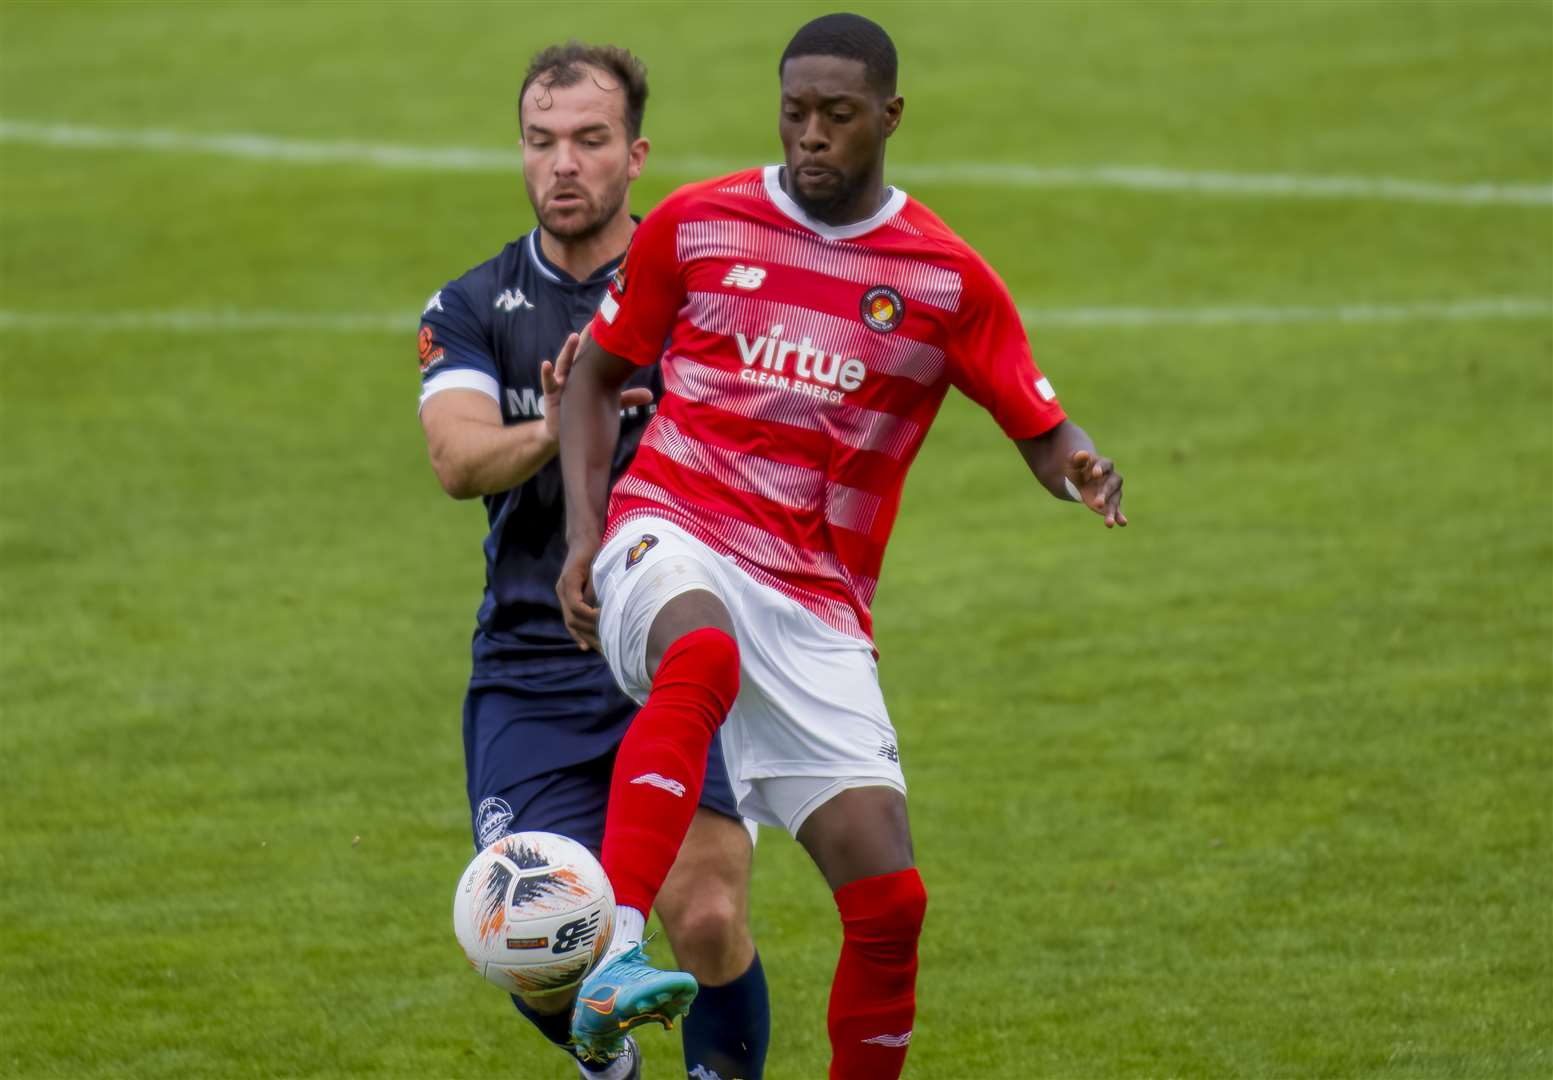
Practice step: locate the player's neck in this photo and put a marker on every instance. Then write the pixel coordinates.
(580, 258)
(864, 204)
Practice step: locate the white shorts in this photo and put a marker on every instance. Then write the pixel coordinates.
(809, 721)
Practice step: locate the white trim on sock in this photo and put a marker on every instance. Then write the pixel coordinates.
(630, 928)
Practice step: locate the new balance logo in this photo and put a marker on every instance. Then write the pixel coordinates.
(890, 1040)
(745, 277)
(575, 934)
(889, 752)
(673, 787)
(512, 300)
(701, 1072)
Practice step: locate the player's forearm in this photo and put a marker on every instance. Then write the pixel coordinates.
(1047, 454)
(474, 458)
(590, 431)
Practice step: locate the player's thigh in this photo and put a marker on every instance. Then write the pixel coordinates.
(716, 858)
(706, 894)
(857, 832)
(570, 801)
(812, 741)
(714, 862)
(696, 609)
(655, 583)
(533, 763)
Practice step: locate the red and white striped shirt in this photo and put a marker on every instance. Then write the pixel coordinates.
(802, 366)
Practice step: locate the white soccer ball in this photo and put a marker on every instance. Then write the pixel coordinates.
(534, 912)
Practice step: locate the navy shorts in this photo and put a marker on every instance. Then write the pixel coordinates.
(540, 759)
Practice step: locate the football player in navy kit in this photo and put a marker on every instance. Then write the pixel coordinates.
(542, 719)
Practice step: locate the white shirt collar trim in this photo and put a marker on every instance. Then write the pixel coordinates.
(539, 264)
(784, 202)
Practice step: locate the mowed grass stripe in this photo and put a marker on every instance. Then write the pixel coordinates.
(1131, 177)
(234, 321)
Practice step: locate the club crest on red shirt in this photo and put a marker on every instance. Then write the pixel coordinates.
(882, 309)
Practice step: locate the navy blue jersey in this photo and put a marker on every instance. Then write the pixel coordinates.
(488, 331)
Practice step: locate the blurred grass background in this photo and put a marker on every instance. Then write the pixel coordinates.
(1259, 787)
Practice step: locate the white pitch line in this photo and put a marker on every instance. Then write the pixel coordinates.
(197, 321)
(194, 321)
(256, 147)
(1252, 315)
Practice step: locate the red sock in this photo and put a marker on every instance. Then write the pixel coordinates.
(873, 999)
(662, 763)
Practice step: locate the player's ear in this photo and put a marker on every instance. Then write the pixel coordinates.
(892, 114)
(637, 157)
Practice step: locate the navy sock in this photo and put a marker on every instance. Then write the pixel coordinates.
(557, 1027)
(729, 1028)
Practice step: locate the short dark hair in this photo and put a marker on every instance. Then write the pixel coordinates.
(567, 65)
(851, 37)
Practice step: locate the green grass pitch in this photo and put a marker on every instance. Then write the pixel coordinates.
(1260, 787)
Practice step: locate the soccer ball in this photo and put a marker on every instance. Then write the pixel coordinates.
(534, 913)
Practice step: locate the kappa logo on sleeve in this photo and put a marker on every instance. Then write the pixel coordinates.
(640, 548)
(431, 352)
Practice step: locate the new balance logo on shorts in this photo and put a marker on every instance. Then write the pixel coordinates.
(673, 787)
(889, 752)
(890, 1040)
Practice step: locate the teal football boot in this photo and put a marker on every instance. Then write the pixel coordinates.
(624, 993)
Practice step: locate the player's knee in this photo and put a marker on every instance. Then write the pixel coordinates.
(709, 927)
(902, 921)
(884, 914)
(707, 658)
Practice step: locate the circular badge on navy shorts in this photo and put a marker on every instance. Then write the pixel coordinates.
(492, 819)
(882, 309)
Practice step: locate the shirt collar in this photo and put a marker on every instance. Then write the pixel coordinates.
(551, 272)
(895, 199)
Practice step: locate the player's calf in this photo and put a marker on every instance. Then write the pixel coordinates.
(704, 907)
(873, 1000)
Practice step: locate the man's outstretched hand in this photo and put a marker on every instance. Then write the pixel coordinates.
(1098, 483)
(552, 380)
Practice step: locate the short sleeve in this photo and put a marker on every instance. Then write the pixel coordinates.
(646, 293)
(991, 361)
(455, 351)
